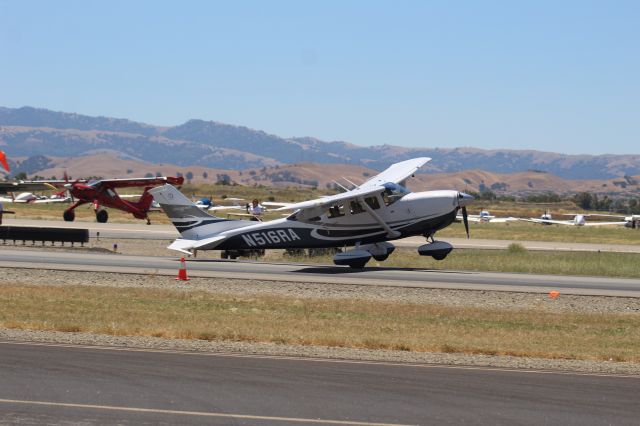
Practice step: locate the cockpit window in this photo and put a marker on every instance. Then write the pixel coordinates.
(335, 211)
(356, 207)
(393, 192)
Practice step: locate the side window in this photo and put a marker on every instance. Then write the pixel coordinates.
(335, 211)
(372, 202)
(356, 207)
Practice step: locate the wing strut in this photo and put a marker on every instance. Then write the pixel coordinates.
(390, 232)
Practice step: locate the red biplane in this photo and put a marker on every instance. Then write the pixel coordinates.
(101, 194)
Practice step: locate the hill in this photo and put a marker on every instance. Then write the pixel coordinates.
(324, 176)
(28, 132)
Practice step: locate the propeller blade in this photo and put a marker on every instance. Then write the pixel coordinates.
(465, 219)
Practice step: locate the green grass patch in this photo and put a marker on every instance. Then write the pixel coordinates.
(527, 231)
(336, 323)
(514, 259)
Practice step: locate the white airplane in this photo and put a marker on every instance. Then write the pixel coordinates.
(28, 197)
(367, 217)
(485, 216)
(578, 220)
(632, 221)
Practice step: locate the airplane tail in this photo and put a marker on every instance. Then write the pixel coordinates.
(192, 222)
(144, 203)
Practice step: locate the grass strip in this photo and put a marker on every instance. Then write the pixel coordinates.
(513, 259)
(336, 323)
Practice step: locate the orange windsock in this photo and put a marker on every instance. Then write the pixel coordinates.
(3, 161)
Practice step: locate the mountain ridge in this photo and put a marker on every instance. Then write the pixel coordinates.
(29, 131)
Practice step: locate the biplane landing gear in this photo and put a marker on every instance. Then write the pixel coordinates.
(102, 216)
(148, 221)
(69, 215)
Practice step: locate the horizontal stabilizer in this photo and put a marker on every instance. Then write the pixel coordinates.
(187, 246)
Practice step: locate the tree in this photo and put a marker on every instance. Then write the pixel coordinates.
(205, 175)
(189, 176)
(21, 176)
(148, 175)
(584, 200)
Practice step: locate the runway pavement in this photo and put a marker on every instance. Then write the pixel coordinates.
(296, 272)
(44, 383)
(168, 232)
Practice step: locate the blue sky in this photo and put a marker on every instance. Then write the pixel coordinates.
(546, 75)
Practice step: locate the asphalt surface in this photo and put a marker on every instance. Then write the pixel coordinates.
(296, 272)
(96, 385)
(168, 232)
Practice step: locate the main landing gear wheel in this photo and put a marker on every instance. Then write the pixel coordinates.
(69, 215)
(358, 265)
(102, 216)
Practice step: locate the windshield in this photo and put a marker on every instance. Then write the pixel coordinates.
(393, 192)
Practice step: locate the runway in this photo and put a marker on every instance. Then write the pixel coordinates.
(296, 272)
(168, 232)
(56, 383)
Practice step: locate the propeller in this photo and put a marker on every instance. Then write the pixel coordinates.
(463, 200)
(465, 219)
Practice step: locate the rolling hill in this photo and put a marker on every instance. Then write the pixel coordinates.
(30, 132)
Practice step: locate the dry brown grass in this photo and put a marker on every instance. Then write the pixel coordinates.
(337, 323)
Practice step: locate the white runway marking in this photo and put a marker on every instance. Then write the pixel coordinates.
(194, 413)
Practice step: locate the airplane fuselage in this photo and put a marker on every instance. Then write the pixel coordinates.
(421, 213)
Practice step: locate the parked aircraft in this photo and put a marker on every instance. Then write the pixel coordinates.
(102, 194)
(578, 220)
(367, 217)
(7, 187)
(31, 198)
(486, 217)
(632, 221)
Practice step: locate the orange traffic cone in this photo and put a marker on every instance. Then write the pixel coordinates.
(182, 272)
(554, 294)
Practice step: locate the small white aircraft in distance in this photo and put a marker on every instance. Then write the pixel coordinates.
(29, 197)
(486, 217)
(366, 217)
(578, 220)
(631, 221)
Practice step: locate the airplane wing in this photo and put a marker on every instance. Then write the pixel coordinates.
(333, 199)
(396, 173)
(503, 219)
(219, 208)
(604, 223)
(550, 222)
(126, 183)
(6, 187)
(275, 204)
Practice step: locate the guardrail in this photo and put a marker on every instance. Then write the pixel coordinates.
(42, 234)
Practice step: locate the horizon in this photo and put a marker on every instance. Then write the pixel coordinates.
(491, 76)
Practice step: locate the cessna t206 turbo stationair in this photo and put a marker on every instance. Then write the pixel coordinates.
(365, 218)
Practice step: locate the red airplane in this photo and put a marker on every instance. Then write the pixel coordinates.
(102, 194)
